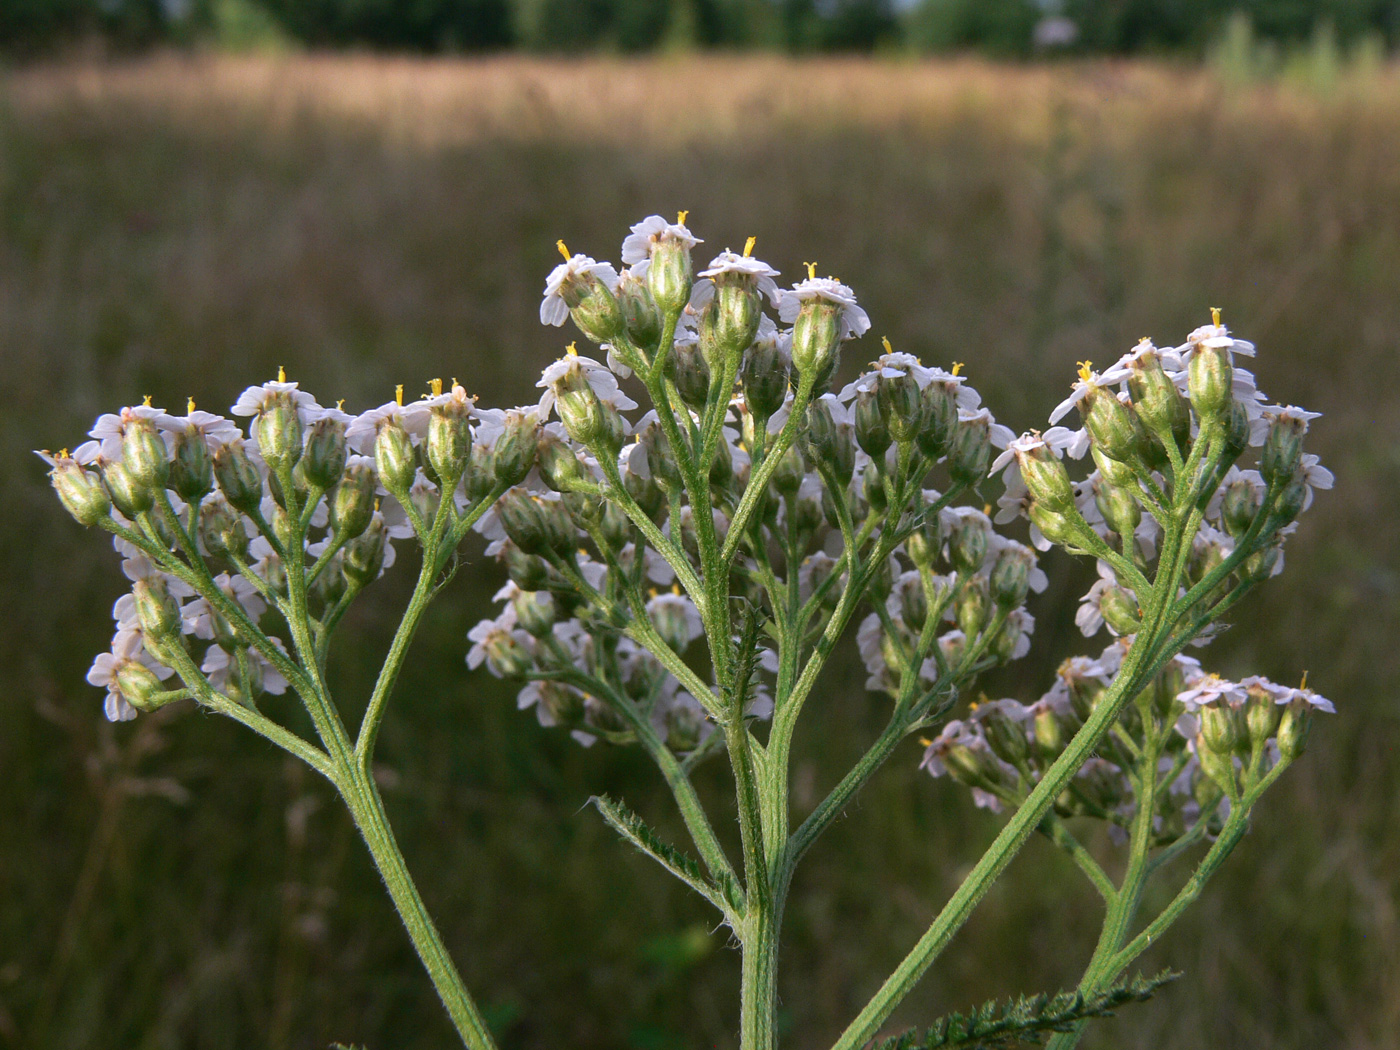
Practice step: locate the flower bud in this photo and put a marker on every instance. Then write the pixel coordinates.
(1166, 688)
(1056, 527)
(364, 555)
(691, 374)
(352, 505)
(670, 275)
(1010, 576)
(901, 406)
(1283, 449)
(973, 606)
(1119, 507)
(722, 466)
(425, 499)
(913, 603)
(1239, 506)
(1112, 426)
(523, 519)
(395, 458)
(516, 448)
(971, 452)
(594, 309)
(1114, 471)
(534, 611)
(816, 340)
(585, 509)
(764, 376)
(1293, 728)
(1236, 436)
(238, 478)
(967, 544)
(646, 493)
(80, 492)
(506, 656)
(1052, 731)
(730, 321)
(1262, 715)
(191, 472)
(872, 431)
(924, 544)
(1120, 610)
(1222, 728)
(787, 477)
(685, 728)
(661, 461)
(221, 530)
(881, 580)
(138, 685)
(1005, 735)
(1261, 564)
(671, 620)
(939, 414)
(1287, 506)
(480, 473)
(1046, 479)
(1210, 378)
(561, 534)
(128, 495)
(564, 706)
(285, 528)
(449, 441)
(279, 432)
(1159, 403)
(616, 526)
(1218, 766)
(323, 460)
(639, 311)
(144, 455)
(559, 466)
(156, 610)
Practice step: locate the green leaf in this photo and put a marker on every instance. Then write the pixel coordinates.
(1025, 1020)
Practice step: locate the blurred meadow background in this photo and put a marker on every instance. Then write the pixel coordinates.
(181, 222)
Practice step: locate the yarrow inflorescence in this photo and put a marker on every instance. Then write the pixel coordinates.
(690, 521)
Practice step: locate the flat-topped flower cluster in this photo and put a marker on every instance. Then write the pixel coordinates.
(701, 484)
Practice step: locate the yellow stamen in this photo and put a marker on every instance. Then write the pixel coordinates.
(189, 406)
(281, 374)
(376, 504)
(987, 509)
(1145, 339)
(676, 589)
(957, 368)
(63, 454)
(885, 341)
(925, 742)
(652, 592)
(583, 552)
(563, 250)
(1215, 316)
(1086, 370)
(571, 350)
(1301, 685)
(340, 404)
(436, 387)
(811, 270)
(398, 394)
(748, 246)
(680, 217)
(146, 401)
(455, 383)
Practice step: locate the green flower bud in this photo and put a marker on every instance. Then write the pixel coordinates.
(139, 685)
(816, 340)
(730, 321)
(516, 448)
(685, 728)
(1293, 729)
(323, 460)
(967, 543)
(901, 406)
(585, 509)
(1052, 731)
(939, 414)
(449, 442)
(973, 607)
(238, 478)
(872, 431)
(1159, 403)
(1010, 576)
(285, 528)
(529, 572)
(1120, 610)
(1283, 449)
(639, 311)
(1056, 527)
(279, 432)
(646, 493)
(1210, 378)
(661, 461)
(1112, 426)
(913, 604)
(881, 581)
(1046, 479)
(1119, 507)
(722, 467)
(1239, 506)
(1115, 472)
(691, 374)
(559, 465)
(787, 477)
(670, 276)
(80, 492)
(480, 473)
(564, 706)
(671, 618)
(534, 611)
(1166, 688)
(1287, 506)
(221, 530)
(561, 535)
(764, 376)
(156, 610)
(616, 526)
(351, 505)
(924, 544)
(1005, 735)
(395, 458)
(594, 308)
(330, 586)
(1236, 436)
(1260, 565)
(1262, 715)
(364, 555)
(191, 471)
(425, 500)
(522, 516)
(144, 454)
(971, 452)
(506, 656)
(129, 495)
(1223, 728)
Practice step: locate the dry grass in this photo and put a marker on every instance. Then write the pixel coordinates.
(177, 226)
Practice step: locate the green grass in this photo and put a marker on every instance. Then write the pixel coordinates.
(181, 228)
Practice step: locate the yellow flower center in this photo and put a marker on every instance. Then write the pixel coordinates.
(281, 374)
(811, 270)
(564, 251)
(1086, 371)
(571, 350)
(885, 340)
(435, 386)
(398, 394)
(680, 217)
(748, 246)
(1215, 316)
(957, 368)
(189, 406)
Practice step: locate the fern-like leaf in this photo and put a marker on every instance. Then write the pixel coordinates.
(1025, 1020)
(683, 866)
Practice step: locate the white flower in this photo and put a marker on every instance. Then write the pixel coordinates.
(198, 615)
(253, 400)
(1215, 335)
(1283, 694)
(1089, 618)
(1212, 689)
(1001, 436)
(554, 310)
(854, 321)
(727, 262)
(109, 428)
(1088, 382)
(214, 429)
(364, 428)
(1058, 440)
(597, 375)
(645, 236)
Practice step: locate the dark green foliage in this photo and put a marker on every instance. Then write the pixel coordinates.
(1025, 1020)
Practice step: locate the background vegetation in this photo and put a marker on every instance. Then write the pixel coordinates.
(181, 227)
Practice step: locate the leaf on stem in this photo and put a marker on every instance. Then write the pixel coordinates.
(1027, 1019)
